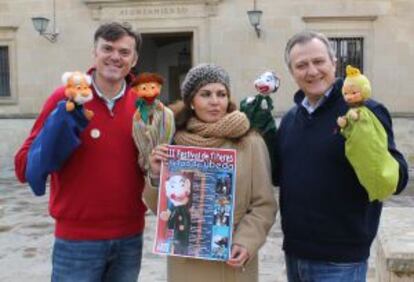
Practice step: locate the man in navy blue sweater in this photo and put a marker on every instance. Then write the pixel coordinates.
(327, 220)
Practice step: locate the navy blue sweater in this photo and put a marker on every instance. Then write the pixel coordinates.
(325, 212)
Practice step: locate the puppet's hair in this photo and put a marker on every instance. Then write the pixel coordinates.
(351, 71)
(146, 77)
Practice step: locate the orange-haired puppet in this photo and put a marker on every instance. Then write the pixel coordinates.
(77, 91)
(153, 123)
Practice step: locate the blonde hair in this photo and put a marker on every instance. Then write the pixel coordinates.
(354, 76)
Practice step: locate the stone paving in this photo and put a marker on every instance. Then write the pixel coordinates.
(26, 229)
(26, 236)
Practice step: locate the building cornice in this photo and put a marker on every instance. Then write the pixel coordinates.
(365, 18)
(159, 2)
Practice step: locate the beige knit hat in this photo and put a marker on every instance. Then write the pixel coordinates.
(201, 75)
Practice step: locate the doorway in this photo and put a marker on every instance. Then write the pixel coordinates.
(170, 55)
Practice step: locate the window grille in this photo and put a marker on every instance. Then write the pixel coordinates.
(4, 72)
(349, 51)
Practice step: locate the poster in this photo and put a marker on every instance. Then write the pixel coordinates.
(196, 202)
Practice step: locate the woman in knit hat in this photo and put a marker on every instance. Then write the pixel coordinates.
(206, 117)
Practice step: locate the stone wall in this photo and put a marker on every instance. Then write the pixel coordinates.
(221, 34)
(12, 134)
(404, 137)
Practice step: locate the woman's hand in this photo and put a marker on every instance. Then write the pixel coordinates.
(159, 154)
(239, 256)
(165, 215)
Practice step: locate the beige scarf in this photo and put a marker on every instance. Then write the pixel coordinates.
(197, 133)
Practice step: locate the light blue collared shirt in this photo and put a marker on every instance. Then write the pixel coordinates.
(110, 103)
(311, 108)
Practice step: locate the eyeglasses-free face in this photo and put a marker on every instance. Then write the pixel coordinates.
(210, 103)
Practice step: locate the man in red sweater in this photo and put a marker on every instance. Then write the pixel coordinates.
(96, 184)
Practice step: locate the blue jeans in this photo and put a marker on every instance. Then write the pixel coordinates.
(97, 261)
(304, 270)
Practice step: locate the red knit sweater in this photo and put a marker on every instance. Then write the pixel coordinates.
(97, 193)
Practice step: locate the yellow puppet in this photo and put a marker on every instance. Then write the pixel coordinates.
(356, 90)
(366, 141)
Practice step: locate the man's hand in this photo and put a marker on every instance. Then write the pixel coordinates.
(137, 115)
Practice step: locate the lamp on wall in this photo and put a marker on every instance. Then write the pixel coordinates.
(254, 18)
(41, 23)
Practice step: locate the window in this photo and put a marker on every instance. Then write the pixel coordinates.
(349, 51)
(5, 90)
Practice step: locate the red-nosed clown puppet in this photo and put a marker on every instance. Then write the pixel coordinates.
(259, 108)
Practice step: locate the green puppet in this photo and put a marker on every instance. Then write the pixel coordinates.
(259, 108)
(366, 145)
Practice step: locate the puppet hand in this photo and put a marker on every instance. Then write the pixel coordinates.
(341, 121)
(250, 99)
(353, 114)
(70, 106)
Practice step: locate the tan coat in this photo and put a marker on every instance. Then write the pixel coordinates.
(254, 214)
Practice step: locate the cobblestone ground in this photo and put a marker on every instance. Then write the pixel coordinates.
(26, 236)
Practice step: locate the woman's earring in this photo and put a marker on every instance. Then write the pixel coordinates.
(192, 107)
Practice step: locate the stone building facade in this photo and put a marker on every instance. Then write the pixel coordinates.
(181, 33)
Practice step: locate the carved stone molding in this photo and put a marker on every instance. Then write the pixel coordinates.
(207, 2)
(7, 32)
(367, 18)
(147, 9)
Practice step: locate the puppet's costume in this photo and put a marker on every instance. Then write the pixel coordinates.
(259, 111)
(366, 145)
(180, 221)
(59, 136)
